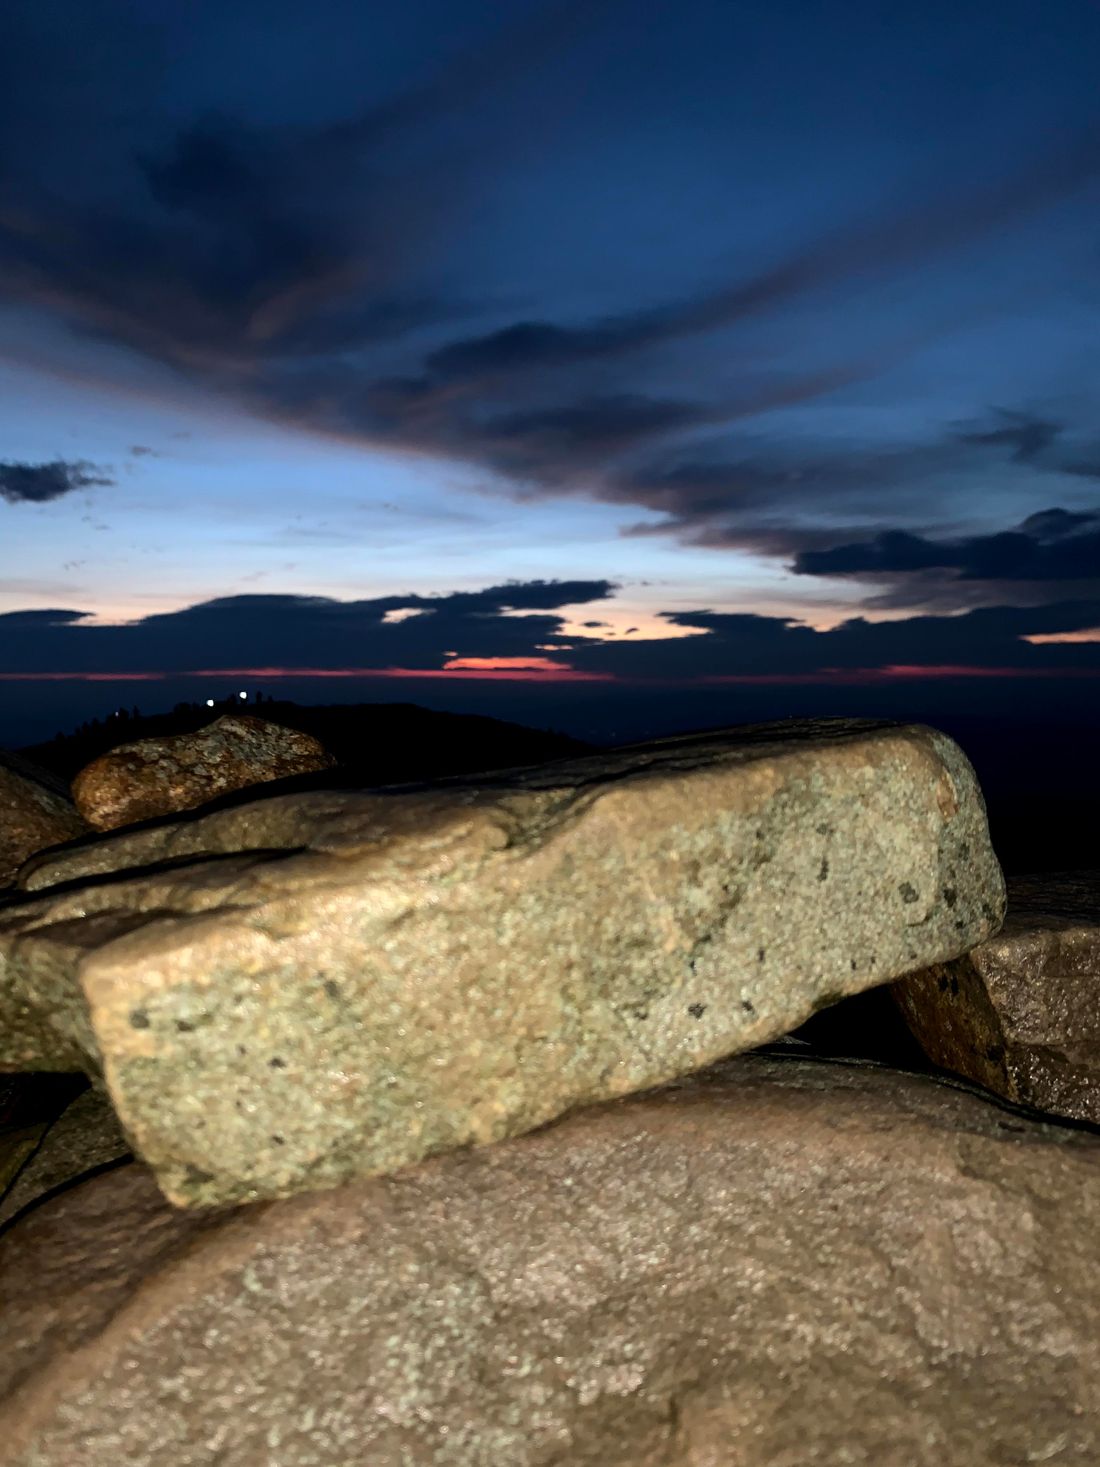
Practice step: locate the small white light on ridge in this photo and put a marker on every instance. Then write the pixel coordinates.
(210, 702)
(242, 695)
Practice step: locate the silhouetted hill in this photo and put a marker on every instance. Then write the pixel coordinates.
(376, 743)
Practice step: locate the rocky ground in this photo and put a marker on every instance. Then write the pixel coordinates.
(697, 1104)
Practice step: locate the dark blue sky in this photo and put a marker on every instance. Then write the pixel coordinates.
(333, 337)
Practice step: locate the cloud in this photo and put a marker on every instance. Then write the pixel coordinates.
(476, 631)
(287, 266)
(749, 646)
(305, 272)
(1050, 546)
(822, 504)
(301, 631)
(1026, 435)
(905, 237)
(229, 250)
(23, 483)
(42, 618)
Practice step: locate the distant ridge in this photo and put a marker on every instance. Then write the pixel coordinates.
(376, 743)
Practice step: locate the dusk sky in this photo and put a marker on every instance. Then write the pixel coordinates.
(640, 343)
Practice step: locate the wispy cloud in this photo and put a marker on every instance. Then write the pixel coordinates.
(285, 267)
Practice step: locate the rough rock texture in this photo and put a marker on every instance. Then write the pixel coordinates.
(85, 1135)
(35, 812)
(163, 776)
(780, 1263)
(374, 977)
(1020, 1014)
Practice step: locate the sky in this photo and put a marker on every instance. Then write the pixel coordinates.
(616, 347)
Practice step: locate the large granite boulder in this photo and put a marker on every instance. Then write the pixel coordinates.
(35, 812)
(162, 776)
(292, 993)
(779, 1263)
(1020, 1013)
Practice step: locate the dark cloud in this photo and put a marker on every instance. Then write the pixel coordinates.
(46, 618)
(304, 272)
(906, 237)
(257, 632)
(517, 596)
(745, 645)
(287, 265)
(744, 492)
(795, 498)
(1053, 545)
(1086, 468)
(22, 483)
(707, 481)
(597, 423)
(1025, 435)
(301, 631)
(534, 442)
(232, 247)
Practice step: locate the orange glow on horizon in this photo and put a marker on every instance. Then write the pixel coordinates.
(534, 669)
(1058, 639)
(544, 669)
(505, 664)
(896, 671)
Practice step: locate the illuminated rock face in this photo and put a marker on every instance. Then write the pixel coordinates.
(1019, 1014)
(291, 993)
(164, 776)
(777, 1261)
(35, 812)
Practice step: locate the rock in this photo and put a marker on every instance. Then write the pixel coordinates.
(35, 812)
(779, 1263)
(374, 977)
(164, 776)
(1019, 1014)
(85, 1136)
(29, 1105)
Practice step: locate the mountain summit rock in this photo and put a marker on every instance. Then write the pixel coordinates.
(293, 992)
(35, 812)
(153, 777)
(776, 1263)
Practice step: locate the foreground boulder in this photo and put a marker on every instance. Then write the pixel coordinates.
(82, 1135)
(29, 1107)
(779, 1263)
(163, 776)
(342, 983)
(1019, 1014)
(35, 812)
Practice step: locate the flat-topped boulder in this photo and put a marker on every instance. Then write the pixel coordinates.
(1020, 1013)
(291, 993)
(779, 1263)
(35, 812)
(162, 776)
